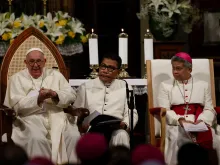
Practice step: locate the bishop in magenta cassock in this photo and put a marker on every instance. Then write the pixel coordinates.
(187, 100)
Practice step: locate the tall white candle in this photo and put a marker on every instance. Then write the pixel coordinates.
(148, 46)
(93, 51)
(123, 50)
(123, 47)
(148, 49)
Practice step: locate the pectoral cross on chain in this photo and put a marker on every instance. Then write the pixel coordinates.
(187, 108)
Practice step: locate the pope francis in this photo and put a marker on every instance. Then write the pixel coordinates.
(38, 95)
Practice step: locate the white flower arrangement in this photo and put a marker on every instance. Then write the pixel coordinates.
(168, 13)
(61, 28)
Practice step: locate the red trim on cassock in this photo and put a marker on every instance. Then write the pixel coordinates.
(204, 139)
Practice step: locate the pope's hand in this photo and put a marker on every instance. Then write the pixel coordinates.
(45, 94)
(52, 93)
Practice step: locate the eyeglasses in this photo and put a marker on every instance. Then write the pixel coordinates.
(38, 62)
(109, 67)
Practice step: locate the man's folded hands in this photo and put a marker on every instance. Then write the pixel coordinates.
(45, 94)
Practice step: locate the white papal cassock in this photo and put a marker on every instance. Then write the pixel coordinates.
(110, 100)
(47, 130)
(174, 92)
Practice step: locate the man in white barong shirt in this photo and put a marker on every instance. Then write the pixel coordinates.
(38, 95)
(187, 100)
(107, 95)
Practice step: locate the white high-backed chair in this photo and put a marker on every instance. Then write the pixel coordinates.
(159, 71)
(13, 62)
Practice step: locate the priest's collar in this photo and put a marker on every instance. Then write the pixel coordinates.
(107, 84)
(185, 81)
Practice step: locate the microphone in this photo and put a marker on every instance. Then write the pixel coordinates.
(127, 92)
(131, 107)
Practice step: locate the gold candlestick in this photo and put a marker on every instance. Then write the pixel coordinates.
(94, 67)
(123, 73)
(93, 35)
(145, 75)
(148, 34)
(9, 5)
(45, 6)
(123, 34)
(94, 73)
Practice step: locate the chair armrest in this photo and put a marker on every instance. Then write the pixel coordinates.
(158, 111)
(217, 109)
(7, 115)
(7, 111)
(161, 112)
(80, 112)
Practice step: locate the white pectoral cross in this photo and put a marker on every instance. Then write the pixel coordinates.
(187, 108)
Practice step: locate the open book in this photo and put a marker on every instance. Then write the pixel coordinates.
(101, 123)
(200, 127)
(92, 116)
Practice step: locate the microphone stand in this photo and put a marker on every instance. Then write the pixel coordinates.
(131, 107)
(130, 103)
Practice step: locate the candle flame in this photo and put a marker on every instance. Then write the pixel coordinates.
(92, 30)
(122, 30)
(148, 30)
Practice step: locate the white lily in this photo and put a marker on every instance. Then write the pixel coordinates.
(185, 4)
(3, 27)
(143, 12)
(15, 32)
(27, 21)
(1, 17)
(49, 20)
(156, 4)
(11, 19)
(4, 16)
(162, 12)
(61, 15)
(57, 28)
(53, 31)
(171, 8)
(76, 26)
(36, 19)
(4, 24)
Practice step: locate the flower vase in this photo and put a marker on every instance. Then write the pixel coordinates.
(158, 32)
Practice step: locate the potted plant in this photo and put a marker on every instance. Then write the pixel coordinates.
(165, 16)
